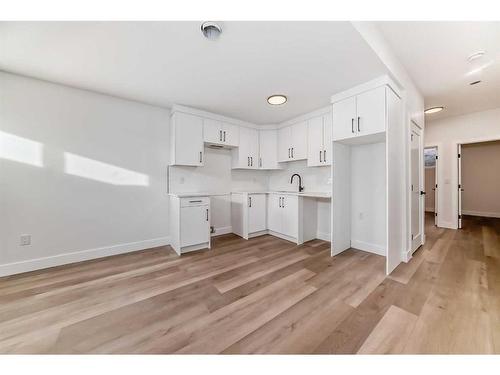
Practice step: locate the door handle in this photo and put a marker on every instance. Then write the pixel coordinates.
(352, 125)
(224, 136)
(358, 124)
(422, 192)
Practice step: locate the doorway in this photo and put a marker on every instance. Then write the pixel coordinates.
(417, 188)
(478, 181)
(431, 185)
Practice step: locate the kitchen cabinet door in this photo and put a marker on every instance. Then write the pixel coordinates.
(194, 225)
(284, 143)
(274, 214)
(344, 116)
(268, 149)
(371, 111)
(212, 131)
(315, 142)
(230, 134)
(327, 139)
(290, 222)
(188, 140)
(257, 212)
(299, 141)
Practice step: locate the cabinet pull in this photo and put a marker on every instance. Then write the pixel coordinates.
(224, 136)
(320, 157)
(207, 214)
(279, 202)
(260, 162)
(199, 201)
(352, 125)
(324, 156)
(288, 153)
(220, 135)
(249, 201)
(358, 124)
(292, 152)
(283, 203)
(201, 157)
(248, 161)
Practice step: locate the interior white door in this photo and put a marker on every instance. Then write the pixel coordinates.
(256, 213)
(344, 114)
(212, 131)
(284, 143)
(274, 213)
(327, 139)
(194, 225)
(460, 189)
(299, 141)
(417, 197)
(371, 112)
(290, 208)
(315, 142)
(230, 134)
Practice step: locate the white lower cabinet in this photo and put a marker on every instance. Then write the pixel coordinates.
(189, 223)
(248, 214)
(283, 215)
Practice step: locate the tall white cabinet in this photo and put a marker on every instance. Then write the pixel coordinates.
(369, 183)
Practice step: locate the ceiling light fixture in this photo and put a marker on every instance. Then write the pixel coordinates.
(211, 30)
(277, 99)
(428, 111)
(475, 56)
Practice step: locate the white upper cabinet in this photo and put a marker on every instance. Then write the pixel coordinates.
(371, 111)
(268, 149)
(292, 142)
(246, 156)
(319, 138)
(220, 133)
(186, 140)
(360, 115)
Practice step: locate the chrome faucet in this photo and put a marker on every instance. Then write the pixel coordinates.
(300, 181)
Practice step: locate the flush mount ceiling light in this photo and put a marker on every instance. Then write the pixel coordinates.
(211, 30)
(277, 99)
(428, 111)
(475, 56)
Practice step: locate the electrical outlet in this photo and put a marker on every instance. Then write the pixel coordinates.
(25, 240)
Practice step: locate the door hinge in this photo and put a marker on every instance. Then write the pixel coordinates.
(436, 186)
(459, 186)
(459, 156)
(459, 216)
(412, 236)
(435, 213)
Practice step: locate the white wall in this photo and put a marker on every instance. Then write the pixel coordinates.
(84, 174)
(446, 134)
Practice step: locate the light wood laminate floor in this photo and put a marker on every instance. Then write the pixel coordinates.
(264, 295)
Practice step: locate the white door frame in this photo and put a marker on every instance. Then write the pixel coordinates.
(459, 185)
(416, 243)
(436, 184)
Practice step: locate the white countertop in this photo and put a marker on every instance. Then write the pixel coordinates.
(309, 194)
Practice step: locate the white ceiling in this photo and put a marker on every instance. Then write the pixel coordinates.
(163, 63)
(435, 55)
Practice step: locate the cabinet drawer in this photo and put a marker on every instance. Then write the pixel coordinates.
(194, 201)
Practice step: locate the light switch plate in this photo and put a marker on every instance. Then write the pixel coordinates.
(25, 240)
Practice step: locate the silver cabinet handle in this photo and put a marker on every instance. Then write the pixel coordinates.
(352, 125)
(201, 157)
(224, 136)
(358, 124)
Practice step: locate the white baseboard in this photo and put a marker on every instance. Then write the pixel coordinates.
(222, 230)
(481, 213)
(79, 256)
(446, 224)
(369, 247)
(323, 236)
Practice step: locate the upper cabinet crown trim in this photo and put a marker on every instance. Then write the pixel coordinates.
(367, 86)
(212, 116)
(305, 117)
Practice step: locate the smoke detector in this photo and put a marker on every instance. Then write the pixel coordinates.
(211, 30)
